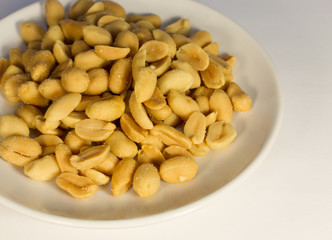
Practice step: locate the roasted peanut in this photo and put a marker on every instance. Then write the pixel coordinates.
(55, 12)
(213, 76)
(79, 46)
(174, 151)
(42, 169)
(155, 50)
(163, 36)
(180, 40)
(74, 142)
(150, 154)
(145, 84)
(73, 118)
(220, 135)
(31, 31)
(177, 64)
(139, 113)
(144, 35)
(212, 48)
(47, 126)
(160, 67)
(221, 104)
(61, 51)
(97, 177)
(94, 130)
(116, 27)
(11, 87)
(146, 180)
(85, 101)
(240, 100)
(12, 125)
(29, 94)
(94, 35)
(194, 127)
(61, 107)
(121, 146)
(127, 39)
(63, 154)
(160, 114)
(51, 89)
(153, 141)
(106, 109)
(132, 129)
(176, 79)
(194, 55)
(90, 157)
(78, 186)
(199, 150)
(89, 60)
(153, 18)
(72, 30)
(19, 150)
(170, 136)
(28, 113)
(75, 80)
(202, 38)
(98, 81)
(42, 64)
(181, 104)
(123, 175)
(178, 169)
(181, 26)
(15, 57)
(120, 76)
(108, 165)
(157, 100)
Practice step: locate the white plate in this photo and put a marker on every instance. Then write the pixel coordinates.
(219, 170)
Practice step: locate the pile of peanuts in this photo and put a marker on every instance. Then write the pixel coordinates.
(105, 97)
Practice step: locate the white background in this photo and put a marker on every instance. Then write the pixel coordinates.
(289, 196)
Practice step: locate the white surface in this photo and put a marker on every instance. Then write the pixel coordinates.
(289, 196)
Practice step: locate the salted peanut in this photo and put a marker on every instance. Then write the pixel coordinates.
(98, 81)
(199, 150)
(139, 113)
(55, 12)
(157, 101)
(85, 102)
(73, 118)
(15, 57)
(116, 27)
(202, 91)
(62, 155)
(120, 76)
(174, 151)
(94, 35)
(123, 175)
(230, 59)
(31, 31)
(111, 53)
(89, 60)
(79, 8)
(114, 8)
(90, 157)
(203, 103)
(48, 127)
(79, 46)
(59, 69)
(163, 36)
(72, 30)
(29, 94)
(4, 63)
(202, 38)
(11, 86)
(144, 35)
(175, 79)
(227, 68)
(145, 24)
(61, 51)
(172, 120)
(12, 125)
(106, 109)
(212, 48)
(26, 59)
(96, 7)
(53, 34)
(145, 84)
(177, 64)
(241, 101)
(42, 169)
(108, 165)
(51, 89)
(220, 135)
(153, 141)
(182, 105)
(181, 26)
(94, 130)
(132, 130)
(153, 18)
(61, 107)
(160, 114)
(42, 64)
(194, 55)
(213, 77)
(74, 142)
(121, 146)
(78, 186)
(19, 150)
(97, 177)
(220, 103)
(211, 118)
(75, 80)
(127, 39)
(139, 62)
(180, 40)
(92, 18)
(28, 114)
(150, 154)
(160, 67)
(155, 50)
(10, 71)
(178, 169)
(194, 127)
(34, 45)
(46, 140)
(146, 181)
(170, 136)
(106, 19)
